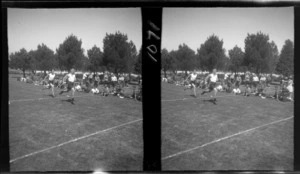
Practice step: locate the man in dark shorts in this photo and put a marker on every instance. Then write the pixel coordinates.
(192, 77)
(213, 78)
(50, 78)
(70, 80)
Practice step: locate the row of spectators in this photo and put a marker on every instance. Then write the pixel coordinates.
(253, 84)
(101, 84)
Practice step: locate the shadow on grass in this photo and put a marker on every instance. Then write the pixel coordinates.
(210, 101)
(68, 100)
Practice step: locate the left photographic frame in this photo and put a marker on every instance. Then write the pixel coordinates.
(74, 89)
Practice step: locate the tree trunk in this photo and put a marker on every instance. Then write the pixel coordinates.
(117, 74)
(129, 76)
(23, 73)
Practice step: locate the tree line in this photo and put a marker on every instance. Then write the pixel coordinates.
(119, 55)
(260, 56)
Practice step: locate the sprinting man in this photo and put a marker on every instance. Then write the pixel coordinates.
(50, 78)
(193, 77)
(213, 78)
(70, 78)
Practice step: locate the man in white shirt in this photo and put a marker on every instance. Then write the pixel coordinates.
(84, 77)
(70, 78)
(122, 80)
(193, 77)
(114, 80)
(213, 78)
(263, 81)
(50, 77)
(255, 82)
(290, 88)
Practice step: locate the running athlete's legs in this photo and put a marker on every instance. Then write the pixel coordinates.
(52, 89)
(70, 85)
(211, 87)
(73, 92)
(194, 88)
(215, 92)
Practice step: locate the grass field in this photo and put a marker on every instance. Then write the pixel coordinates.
(51, 134)
(238, 133)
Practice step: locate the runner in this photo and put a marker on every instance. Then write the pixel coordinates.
(213, 78)
(50, 78)
(193, 77)
(70, 78)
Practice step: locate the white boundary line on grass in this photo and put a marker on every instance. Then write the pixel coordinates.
(215, 141)
(48, 98)
(76, 139)
(197, 98)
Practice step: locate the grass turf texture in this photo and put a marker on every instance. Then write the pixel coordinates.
(188, 125)
(36, 125)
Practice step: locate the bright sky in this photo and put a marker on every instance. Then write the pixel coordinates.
(29, 27)
(193, 26)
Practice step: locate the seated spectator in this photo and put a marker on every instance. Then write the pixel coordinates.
(78, 88)
(236, 91)
(95, 90)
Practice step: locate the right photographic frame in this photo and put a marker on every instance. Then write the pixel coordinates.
(227, 89)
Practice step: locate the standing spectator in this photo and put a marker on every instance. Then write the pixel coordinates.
(247, 84)
(269, 80)
(263, 81)
(97, 80)
(114, 80)
(91, 77)
(122, 80)
(255, 82)
(238, 81)
(84, 77)
(290, 88)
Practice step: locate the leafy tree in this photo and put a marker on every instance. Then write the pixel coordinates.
(211, 54)
(138, 63)
(175, 64)
(132, 59)
(85, 63)
(118, 53)
(44, 58)
(274, 58)
(259, 53)
(20, 60)
(95, 59)
(285, 66)
(70, 54)
(56, 61)
(167, 61)
(185, 58)
(236, 56)
(32, 61)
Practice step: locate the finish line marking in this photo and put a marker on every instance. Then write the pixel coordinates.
(76, 139)
(224, 138)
